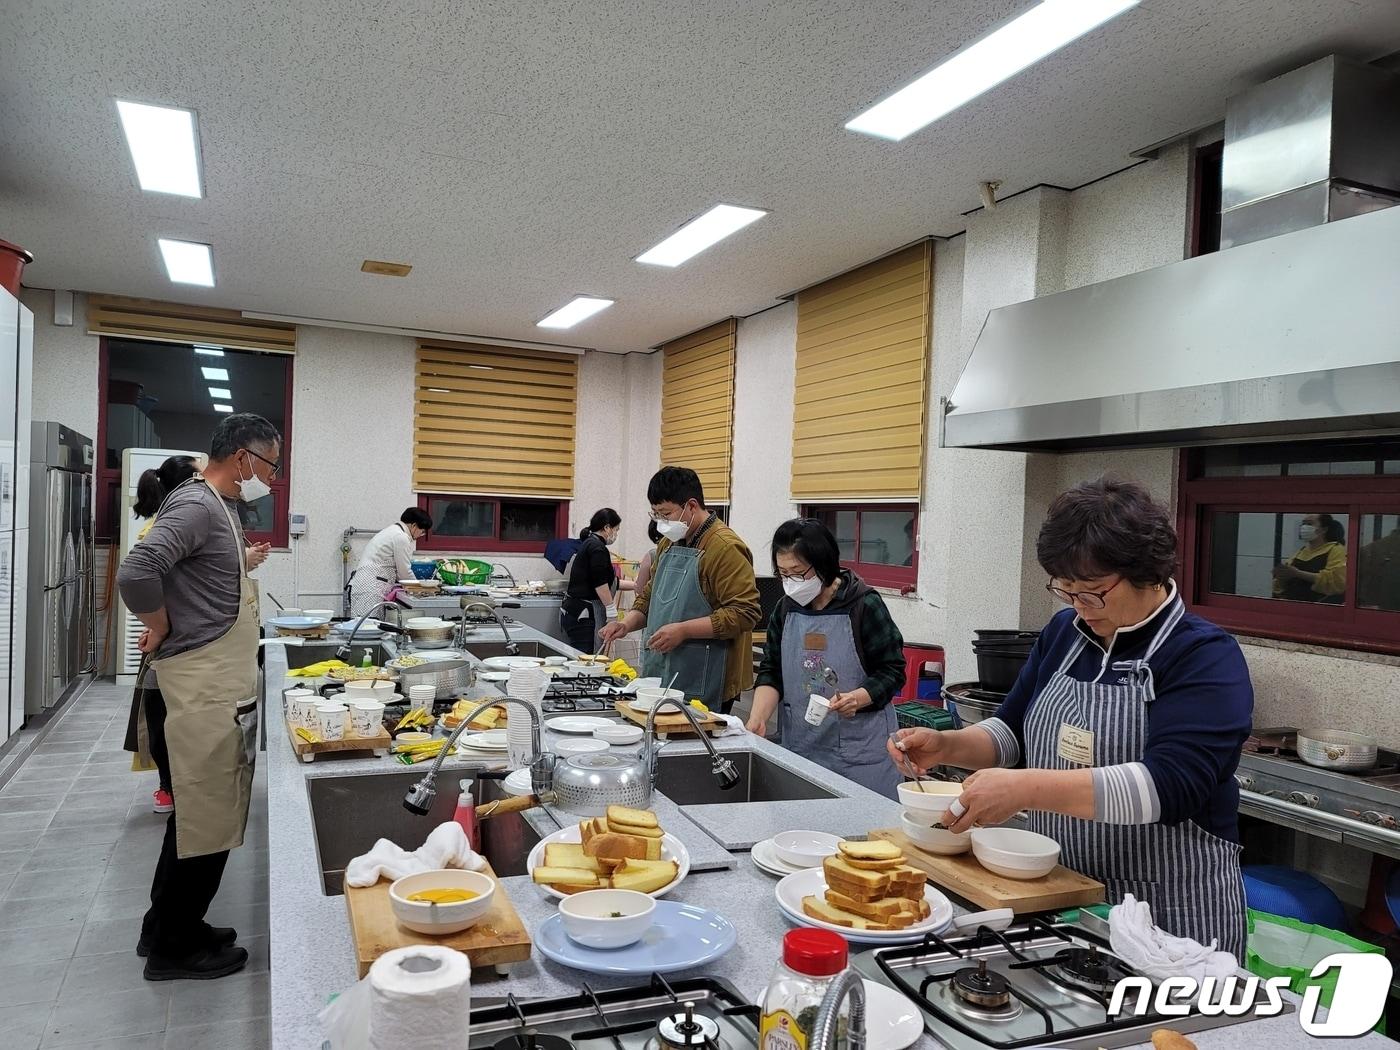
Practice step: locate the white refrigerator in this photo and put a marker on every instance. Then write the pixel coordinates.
(16, 395)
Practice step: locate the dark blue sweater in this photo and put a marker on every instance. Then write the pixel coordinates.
(1197, 724)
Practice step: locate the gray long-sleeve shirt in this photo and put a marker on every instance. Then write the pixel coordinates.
(187, 563)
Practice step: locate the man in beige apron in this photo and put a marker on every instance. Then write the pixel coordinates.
(188, 583)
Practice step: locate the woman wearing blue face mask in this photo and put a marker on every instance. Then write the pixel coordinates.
(829, 625)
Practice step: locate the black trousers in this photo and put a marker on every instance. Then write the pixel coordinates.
(181, 893)
(154, 704)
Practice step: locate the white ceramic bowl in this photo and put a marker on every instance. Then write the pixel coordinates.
(441, 918)
(619, 734)
(584, 670)
(805, 849)
(426, 623)
(936, 796)
(606, 919)
(371, 689)
(649, 696)
(555, 661)
(935, 840)
(1014, 853)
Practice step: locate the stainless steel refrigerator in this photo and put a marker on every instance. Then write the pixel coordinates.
(60, 563)
(16, 393)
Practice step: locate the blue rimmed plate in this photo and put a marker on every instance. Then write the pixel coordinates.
(681, 937)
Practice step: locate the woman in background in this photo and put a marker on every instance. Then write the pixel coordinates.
(388, 558)
(593, 582)
(648, 561)
(1318, 572)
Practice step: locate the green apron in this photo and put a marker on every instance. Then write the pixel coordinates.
(698, 664)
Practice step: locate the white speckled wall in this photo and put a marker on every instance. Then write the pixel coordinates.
(639, 455)
(65, 364)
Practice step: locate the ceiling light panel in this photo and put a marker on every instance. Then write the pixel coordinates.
(223, 408)
(163, 146)
(700, 233)
(580, 308)
(218, 375)
(208, 351)
(981, 66)
(220, 393)
(188, 262)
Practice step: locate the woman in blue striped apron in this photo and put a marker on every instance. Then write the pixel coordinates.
(1122, 733)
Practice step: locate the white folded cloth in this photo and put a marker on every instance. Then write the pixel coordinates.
(1157, 954)
(447, 847)
(733, 725)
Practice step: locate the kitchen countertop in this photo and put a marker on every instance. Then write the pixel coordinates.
(312, 957)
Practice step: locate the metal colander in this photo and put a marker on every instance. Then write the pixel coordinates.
(589, 784)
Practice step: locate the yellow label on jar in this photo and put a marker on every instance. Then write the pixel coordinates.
(780, 1031)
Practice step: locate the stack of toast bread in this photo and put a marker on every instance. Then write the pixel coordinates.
(869, 887)
(620, 851)
(491, 718)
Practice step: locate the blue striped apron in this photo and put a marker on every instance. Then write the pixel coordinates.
(1189, 876)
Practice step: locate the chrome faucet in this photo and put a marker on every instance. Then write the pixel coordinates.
(721, 767)
(826, 1031)
(420, 797)
(508, 574)
(344, 650)
(511, 648)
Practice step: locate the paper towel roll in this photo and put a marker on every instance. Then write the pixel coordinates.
(420, 999)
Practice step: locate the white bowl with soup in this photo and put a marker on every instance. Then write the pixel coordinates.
(445, 901)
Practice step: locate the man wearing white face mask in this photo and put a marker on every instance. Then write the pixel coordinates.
(188, 583)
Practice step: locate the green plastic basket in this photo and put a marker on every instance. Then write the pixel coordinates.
(1280, 946)
(923, 716)
(477, 572)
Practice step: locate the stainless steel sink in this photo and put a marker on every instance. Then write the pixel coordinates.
(348, 814)
(686, 780)
(315, 652)
(484, 650)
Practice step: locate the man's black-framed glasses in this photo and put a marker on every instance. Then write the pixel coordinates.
(275, 464)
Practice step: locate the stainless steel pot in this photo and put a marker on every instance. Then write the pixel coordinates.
(449, 671)
(431, 637)
(1334, 749)
(589, 784)
(969, 709)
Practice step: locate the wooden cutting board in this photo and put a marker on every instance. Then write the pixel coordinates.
(307, 752)
(671, 722)
(1062, 888)
(499, 938)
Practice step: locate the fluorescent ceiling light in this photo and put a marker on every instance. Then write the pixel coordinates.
(188, 262)
(981, 66)
(580, 308)
(163, 147)
(220, 393)
(208, 351)
(700, 233)
(223, 408)
(217, 374)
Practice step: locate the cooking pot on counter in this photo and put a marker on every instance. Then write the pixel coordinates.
(1335, 749)
(449, 671)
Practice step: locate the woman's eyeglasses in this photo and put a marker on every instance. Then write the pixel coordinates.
(1087, 599)
(804, 574)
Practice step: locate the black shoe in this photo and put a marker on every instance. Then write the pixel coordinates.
(214, 937)
(203, 965)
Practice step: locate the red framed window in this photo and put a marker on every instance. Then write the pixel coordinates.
(1299, 541)
(878, 541)
(158, 395)
(492, 524)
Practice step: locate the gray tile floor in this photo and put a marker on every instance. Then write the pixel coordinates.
(78, 843)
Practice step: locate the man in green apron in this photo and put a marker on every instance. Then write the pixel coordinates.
(701, 604)
(187, 582)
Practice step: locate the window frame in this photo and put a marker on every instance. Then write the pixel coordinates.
(1344, 626)
(106, 478)
(493, 545)
(1206, 170)
(902, 578)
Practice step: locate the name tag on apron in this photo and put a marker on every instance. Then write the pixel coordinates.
(1075, 745)
(814, 642)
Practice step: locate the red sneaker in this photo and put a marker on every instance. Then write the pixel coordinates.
(164, 802)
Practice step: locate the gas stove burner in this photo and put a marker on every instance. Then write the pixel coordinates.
(529, 1039)
(1089, 968)
(684, 1030)
(981, 987)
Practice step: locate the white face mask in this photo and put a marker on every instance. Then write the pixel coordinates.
(802, 591)
(250, 490)
(1307, 533)
(672, 530)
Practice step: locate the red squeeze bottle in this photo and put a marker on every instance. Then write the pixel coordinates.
(466, 812)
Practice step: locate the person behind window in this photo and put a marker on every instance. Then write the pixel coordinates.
(1318, 572)
(829, 622)
(1378, 573)
(593, 582)
(388, 558)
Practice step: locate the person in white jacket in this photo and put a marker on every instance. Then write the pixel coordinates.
(388, 558)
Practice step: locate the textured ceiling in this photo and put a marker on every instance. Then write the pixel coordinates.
(517, 154)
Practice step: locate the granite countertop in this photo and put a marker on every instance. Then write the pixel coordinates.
(312, 957)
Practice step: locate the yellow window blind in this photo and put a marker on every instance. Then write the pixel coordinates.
(177, 323)
(697, 406)
(862, 362)
(494, 421)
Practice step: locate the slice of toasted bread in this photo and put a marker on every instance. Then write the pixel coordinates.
(570, 855)
(564, 877)
(619, 847)
(857, 893)
(838, 868)
(881, 910)
(633, 829)
(874, 865)
(645, 876)
(642, 818)
(817, 908)
(875, 849)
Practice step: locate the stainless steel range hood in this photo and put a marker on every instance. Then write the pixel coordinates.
(1294, 334)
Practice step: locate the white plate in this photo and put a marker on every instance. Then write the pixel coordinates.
(486, 741)
(812, 882)
(892, 1022)
(505, 663)
(494, 676)
(578, 723)
(766, 859)
(672, 848)
(519, 783)
(581, 746)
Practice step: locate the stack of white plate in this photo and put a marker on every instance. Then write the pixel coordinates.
(765, 858)
(490, 740)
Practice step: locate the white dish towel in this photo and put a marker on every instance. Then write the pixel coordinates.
(1157, 954)
(447, 847)
(733, 725)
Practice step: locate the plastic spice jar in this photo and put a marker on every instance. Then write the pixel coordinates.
(812, 959)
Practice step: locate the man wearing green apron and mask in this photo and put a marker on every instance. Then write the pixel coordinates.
(701, 603)
(188, 584)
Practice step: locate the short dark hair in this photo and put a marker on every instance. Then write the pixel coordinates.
(653, 533)
(241, 430)
(417, 516)
(678, 485)
(607, 518)
(811, 541)
(1108, 526)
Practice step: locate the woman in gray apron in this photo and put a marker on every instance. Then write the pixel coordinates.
(830, 635)
(1122, 733)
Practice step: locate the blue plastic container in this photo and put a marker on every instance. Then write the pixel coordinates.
(1285, 891)
(423, 570)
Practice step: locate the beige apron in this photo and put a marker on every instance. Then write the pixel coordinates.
(211, 725)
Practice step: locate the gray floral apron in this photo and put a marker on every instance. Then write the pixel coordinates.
(1189, 876)
(698, 664)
